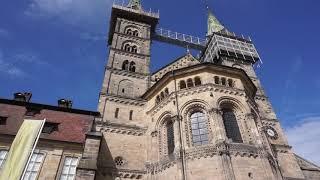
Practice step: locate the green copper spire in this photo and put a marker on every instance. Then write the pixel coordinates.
(134, 4)
(213, 24)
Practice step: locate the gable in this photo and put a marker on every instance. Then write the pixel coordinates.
(304, 164)
(181, 62)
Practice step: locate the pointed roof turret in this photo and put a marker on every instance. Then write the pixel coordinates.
(214, 24)
(135, 4)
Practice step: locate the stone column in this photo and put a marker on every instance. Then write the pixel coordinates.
(177, 144)
(87, 167)
(219, 130)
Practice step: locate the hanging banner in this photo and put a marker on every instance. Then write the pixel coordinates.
(21, 150)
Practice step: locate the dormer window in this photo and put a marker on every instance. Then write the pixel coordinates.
(3, 120)
(50, 127)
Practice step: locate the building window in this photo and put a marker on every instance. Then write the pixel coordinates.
(166, 91)
(170, 137)
(3, 157)
(197, 81)
(3, 120)
(69, 168)
(129, 31)
(190, 83)
(161, 95)
(231, 126)
(116, 113)
(34, 166)
(130, 115)
(135, 33)
(158, 99)
(125, 65)
(50, 127)
(216, 80)
(230, 83)
(199, 128)
(134, 49)
(119, 161)
(223, 81)
(132, 67)
(182, 84)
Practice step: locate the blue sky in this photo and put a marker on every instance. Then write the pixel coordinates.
(57, 49)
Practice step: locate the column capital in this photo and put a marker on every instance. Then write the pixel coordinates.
(176, 118)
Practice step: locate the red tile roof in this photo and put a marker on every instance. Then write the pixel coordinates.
(73, 124)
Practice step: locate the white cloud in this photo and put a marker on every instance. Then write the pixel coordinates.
(15, 64)
(305, 138)
(10, 69)
(75, 12)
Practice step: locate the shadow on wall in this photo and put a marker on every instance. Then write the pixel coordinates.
(107, 169)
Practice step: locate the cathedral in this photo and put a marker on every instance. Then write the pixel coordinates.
(197, 118)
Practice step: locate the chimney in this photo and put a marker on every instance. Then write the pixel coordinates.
(65, 103)
(23, 97)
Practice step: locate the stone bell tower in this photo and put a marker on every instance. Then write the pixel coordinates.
(127, 70)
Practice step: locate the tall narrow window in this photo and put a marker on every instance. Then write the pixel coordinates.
(182, 84)
(170, 137)
(125, 65)
(134, 49)
(116, 113)
(130, 115)
(161, 95)
(216, 80)
(136, 33)
(231, 126)
(190, 83)
(230, 83)
(69, 168)
(223, 81)
(166, 92)
(158, 99)
(199, 128)
(132, 67)
(3, 156)
(197, 81)
(34, 166)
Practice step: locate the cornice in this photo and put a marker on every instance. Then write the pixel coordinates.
(135, 55)
(120, 128)
(124, 100)
(127, 73)
(132, 37)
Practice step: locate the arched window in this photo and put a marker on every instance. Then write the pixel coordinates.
(136, 33)
(130, 115)
(197, 81)
(161, 96)
(170, 136)
(129, 31)
(190, 83)
(182, 84)
(134, 49)
(230, 83)
(231, 125)
(157, 99)
(127, 47)
(125, 65)
(132, 67)
(166, 92)
(199, 128)
(223, 81)
(216, 80)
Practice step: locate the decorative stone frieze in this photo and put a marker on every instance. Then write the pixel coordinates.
(121, 129)
(128, 73)
(165, 163)
(125, 101)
